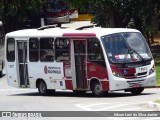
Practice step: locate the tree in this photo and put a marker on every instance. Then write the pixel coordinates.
(140, 14)
(15, 13)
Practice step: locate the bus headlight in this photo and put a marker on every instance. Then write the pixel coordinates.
(152, 70)
(117, 74)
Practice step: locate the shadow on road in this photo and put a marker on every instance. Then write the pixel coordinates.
(86, 95)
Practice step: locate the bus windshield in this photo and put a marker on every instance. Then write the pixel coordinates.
(126, 47)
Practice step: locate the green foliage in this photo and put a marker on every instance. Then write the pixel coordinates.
(157, 101)
(158, 74)
(17, 12)
(140, 14)
(82, 5)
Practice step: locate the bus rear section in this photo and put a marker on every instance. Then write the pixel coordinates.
(80, 61)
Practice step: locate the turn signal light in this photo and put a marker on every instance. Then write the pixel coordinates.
(117, 74)
(152, 70)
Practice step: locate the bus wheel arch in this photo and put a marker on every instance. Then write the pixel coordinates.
(42, 87)
(96, 87)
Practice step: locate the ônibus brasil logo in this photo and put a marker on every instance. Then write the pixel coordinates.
(45, 69)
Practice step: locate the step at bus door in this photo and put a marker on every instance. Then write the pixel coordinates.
(23, 65)
(80, 63)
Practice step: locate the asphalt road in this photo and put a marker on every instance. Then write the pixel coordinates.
(13, 99)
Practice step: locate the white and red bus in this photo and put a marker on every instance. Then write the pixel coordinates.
(57, 11)
(90, 59)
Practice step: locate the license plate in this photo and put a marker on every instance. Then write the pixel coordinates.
(141, 69)
(136, 85)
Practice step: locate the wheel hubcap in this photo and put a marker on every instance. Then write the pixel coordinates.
(98, 89)
(42, 87)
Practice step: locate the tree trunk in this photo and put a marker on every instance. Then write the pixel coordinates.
(138, 24)
(152, 39)
(148, 40)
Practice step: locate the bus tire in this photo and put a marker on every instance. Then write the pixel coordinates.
(136, 91)
(97, 89)
(42, 88)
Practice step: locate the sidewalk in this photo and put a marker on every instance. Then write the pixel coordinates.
(153, 105)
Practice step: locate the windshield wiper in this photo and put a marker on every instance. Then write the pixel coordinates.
(131, 51)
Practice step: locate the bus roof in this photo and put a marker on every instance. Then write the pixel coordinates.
(60, 32)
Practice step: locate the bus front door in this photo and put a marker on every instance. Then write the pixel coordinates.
(80, 64)
(23, 65)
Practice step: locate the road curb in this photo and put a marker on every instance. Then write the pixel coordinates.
(154, 105)
(153, 87)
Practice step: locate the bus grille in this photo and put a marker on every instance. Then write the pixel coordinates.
(131, 83)
(130, 76)
(140, 74)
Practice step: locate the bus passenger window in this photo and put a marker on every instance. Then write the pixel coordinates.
(46, 49)
(33, 50)
(10, 50)
(94, 50)
(62, 49)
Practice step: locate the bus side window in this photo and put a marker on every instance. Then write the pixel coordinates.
(46, 49)
(62, 49)
(33, 50)
(94, 50)
(10, 50)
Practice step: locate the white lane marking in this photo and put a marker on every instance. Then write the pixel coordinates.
(96, 104)
(86, 107)
(82, 107)
(115, 106)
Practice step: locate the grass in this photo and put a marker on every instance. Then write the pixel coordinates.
(155, 48)
(157, 101)
(158, 74)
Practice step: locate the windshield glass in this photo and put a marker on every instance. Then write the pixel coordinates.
(126, 47)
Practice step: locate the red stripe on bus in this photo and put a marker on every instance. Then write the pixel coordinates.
(79, 34)
(69, 84)
(105, 85)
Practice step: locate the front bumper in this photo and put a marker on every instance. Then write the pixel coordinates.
(122, 84)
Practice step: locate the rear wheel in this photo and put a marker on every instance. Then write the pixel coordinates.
(42, 88)
(137, 91)
(97, 89)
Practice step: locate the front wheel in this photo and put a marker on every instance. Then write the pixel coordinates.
(136, 91)
(97, 89)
